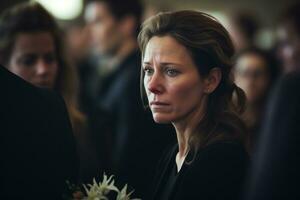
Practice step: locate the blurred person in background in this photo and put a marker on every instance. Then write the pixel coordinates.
(78, 41)
(243, 28)
(31, 47)
(289, 40)
(255, 72)
(276, 162)
(130, 130)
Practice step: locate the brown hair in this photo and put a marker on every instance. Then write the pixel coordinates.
(32, 18)
(210, 46)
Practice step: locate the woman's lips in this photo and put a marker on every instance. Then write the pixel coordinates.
(43, 84)
(158, 105)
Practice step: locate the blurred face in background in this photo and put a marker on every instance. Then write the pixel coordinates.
(33, 58)
(172, 83)
(251, 74)
(105, 33)
(289, 47)
(78, 40)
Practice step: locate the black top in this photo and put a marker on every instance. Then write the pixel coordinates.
(217, 172)
(276, 163)
(171, 179)
(37, 148)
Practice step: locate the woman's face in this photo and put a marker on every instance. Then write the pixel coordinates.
(34, 59)
(252, 76)
(173, 85)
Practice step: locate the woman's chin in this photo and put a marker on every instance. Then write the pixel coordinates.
(161, 119)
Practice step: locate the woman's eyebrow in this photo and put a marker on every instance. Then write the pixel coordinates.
(168, 63)
(162, 63)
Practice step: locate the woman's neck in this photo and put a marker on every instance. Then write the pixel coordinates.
(183, 134)
(188, 124)
(184, 129)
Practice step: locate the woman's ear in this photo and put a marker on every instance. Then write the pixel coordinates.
(212, 80)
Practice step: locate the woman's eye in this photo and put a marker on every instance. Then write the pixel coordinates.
(50, 58)
(148, 71)
(172, 72)
(28, 61)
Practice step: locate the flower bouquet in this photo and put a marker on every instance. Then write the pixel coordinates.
(104, 190)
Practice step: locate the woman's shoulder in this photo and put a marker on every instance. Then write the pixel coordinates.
(222, 148)
(222, 153)
(217, 172)
(221, 159)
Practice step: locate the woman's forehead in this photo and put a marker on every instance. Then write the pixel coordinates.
(163, 49)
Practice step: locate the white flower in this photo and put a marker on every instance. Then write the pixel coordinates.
(98, 191)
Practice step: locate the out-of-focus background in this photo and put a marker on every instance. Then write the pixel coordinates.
(266, 12)
(92, 59)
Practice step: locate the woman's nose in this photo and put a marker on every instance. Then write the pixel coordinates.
(155, 84)
(42, 67)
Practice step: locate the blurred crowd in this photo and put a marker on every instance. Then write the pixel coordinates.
(94, 63)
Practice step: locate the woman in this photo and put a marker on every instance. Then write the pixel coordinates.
(186, 65)
(31, 47)
(255, 72)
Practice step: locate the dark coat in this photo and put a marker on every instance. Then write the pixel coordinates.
(38, 152)
(216, 173)
(276, 163)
